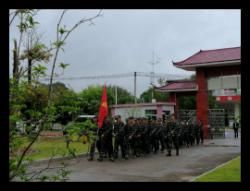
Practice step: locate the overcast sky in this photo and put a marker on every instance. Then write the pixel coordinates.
(122, 41)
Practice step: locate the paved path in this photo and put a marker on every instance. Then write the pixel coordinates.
(192, 162)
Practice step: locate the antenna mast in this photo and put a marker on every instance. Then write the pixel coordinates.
(153, 63)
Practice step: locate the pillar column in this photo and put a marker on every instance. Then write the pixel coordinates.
(159, 111)
(173, 98)
(202, 99)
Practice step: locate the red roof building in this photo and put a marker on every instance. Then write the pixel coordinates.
(205, 58)
(179, 86)
(210, 65)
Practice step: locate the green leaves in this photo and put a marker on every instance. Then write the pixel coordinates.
(63, 66)
(28, 21)
(58, 43)
(146, 96)
(31, 21)
(39, 70)
(62, 30)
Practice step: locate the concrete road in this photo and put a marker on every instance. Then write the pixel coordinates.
(192, 162)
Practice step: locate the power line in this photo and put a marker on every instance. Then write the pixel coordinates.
(122, 75)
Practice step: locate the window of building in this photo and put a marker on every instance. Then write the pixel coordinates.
(165, 115)
(151, 113)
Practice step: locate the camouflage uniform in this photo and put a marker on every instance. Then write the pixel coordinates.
(197, 133)
(105, 141)
(191, 133)
(200, 125)
(139, 137)
(168, 137)
(131, 133)
(153, 137)
(146, 137)
(173, 135)
(185, 132)
(119, 136)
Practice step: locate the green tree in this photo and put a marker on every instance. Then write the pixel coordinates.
(33, 99)
(123, 96)
(187, 102)
(146, 96)
(90, 98)
(67, 106)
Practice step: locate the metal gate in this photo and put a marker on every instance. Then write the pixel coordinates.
(216, 119)
(185, 115)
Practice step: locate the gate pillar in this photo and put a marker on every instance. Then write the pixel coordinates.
(202, 100)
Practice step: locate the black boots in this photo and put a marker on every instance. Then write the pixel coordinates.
(169, 154)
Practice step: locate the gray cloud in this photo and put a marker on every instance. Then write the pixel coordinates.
(123, 40)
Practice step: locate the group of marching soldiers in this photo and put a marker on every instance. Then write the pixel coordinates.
(141, 136)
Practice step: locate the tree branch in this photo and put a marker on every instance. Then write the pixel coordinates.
(36, 173)
(28, 147)
(80, 22)
(12, 19)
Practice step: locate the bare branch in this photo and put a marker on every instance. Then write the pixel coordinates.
(12, 19)
(65, 37)
(36, 173)
(55, 57)
(28, 147)
(58, 24)
(82, 21)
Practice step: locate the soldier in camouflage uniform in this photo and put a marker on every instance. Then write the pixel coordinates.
(119, 136)
(157, 136)
(161, 135)
(132, 130)
(173, 134)
(185, 137)
(145, 136)
(197, 132)
(153, 136)
(191, 133)
(168, 137)
(200, 125)
(139, 137)
(105, 135)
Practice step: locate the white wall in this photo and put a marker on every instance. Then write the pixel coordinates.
(224, 82)
(138, 111)
(168, 108)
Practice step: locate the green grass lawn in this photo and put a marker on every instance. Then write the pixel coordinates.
(227, 173)
(45, 147)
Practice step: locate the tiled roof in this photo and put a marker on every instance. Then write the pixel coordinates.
(210, 56)
(178, 86)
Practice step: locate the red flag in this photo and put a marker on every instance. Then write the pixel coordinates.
(103, 111)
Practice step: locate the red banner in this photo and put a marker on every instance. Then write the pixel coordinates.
(103, 111)
(228, 98)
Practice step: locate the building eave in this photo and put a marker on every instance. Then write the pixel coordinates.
(178, 90)
(192, 67)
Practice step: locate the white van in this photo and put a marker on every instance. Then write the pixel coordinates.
(82, 118)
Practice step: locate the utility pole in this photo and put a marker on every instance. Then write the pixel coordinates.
(135, 87)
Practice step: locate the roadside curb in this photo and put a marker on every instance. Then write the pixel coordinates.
(205, 173)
